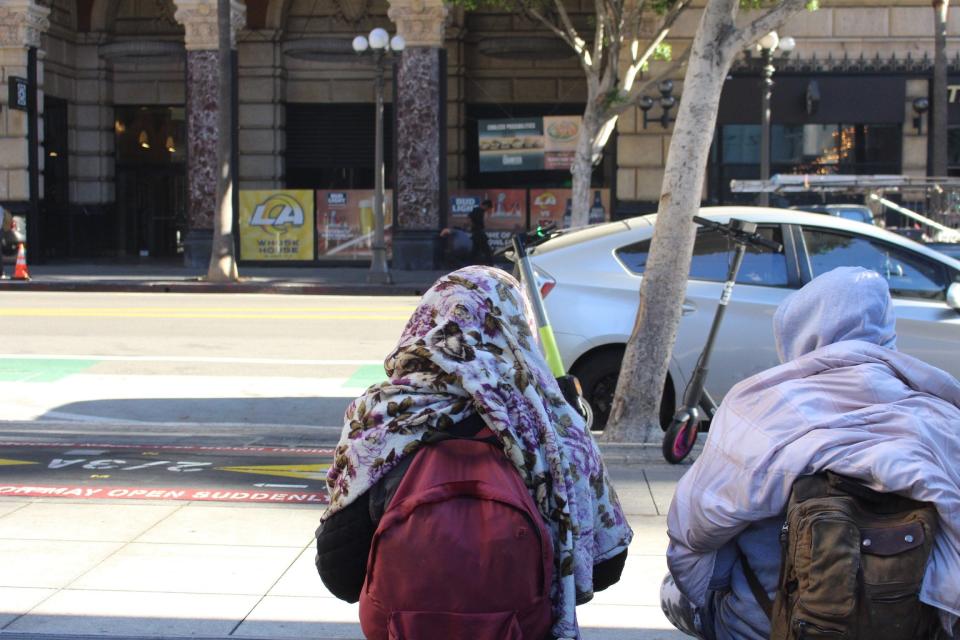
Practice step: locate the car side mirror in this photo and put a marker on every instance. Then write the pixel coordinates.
(953, 296)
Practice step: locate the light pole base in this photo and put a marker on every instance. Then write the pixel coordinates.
(379, 277)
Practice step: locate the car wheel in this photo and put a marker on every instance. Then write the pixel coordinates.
(598, 374)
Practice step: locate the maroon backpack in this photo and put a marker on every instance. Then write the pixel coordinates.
(461, 552)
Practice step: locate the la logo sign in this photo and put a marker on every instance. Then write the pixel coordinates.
(279, 212)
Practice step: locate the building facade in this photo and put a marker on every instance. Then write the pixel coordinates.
(113, 155)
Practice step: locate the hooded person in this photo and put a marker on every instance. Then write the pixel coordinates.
(468, 356)
(843, 400)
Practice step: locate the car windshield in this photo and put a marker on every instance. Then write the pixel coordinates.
(854, 214)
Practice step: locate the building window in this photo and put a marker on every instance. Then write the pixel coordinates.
(953, 150)
(803, 148)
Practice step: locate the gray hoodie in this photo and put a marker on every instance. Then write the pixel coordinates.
(843, 400)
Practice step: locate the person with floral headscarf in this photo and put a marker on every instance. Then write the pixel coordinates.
(468, 359)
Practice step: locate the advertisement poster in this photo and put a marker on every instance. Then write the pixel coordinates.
(554, 205)
(511, 145)
(276, 225)
(508, 216)
(560, 140)
(528, 144)
(345, 223)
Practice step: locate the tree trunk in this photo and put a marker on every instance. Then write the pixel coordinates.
(223, 266)
(582, 167)
(938, 109)
(634, 414)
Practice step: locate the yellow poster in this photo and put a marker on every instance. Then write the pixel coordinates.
(276, 225)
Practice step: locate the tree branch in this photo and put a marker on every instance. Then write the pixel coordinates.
(601, 19)
(578, 43)
(772, 20)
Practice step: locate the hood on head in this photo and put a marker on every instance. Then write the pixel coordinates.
(847, 303)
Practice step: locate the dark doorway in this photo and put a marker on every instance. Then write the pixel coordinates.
(151, 180)
(56, 222)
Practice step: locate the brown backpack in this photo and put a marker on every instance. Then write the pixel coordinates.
(852, 564)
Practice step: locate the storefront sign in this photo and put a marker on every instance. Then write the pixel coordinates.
(555, 206)
(19, 93)
(528, 144)
(509, 214)
(953, 93)
(276, 225)
(345, 223)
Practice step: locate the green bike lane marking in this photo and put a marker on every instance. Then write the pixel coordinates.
(366, 375)
(55, 369)
(36, 370)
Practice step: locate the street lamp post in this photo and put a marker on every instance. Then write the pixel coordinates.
(768, 45)
(381, 46)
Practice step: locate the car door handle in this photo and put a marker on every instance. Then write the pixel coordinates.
(688, 307)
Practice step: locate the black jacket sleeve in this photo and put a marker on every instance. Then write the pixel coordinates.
(343, 544)
(608, 572)
(605, 573)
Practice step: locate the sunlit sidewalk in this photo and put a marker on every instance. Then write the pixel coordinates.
(179, 569)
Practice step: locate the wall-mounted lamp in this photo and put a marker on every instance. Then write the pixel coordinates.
(143, 139)
(920, 107)
(667, 102)
(119, 127)
(170, 146)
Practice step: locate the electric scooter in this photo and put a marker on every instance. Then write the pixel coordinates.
(569, 385)
(697, 404)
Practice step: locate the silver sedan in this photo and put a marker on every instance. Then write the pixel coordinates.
(591, 279)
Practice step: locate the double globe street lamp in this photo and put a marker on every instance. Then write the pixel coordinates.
(381, 47)
(767, 45)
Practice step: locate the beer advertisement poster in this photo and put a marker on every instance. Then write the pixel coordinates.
(276, 225)
(556, 206)
(509, 213)
(345, 223)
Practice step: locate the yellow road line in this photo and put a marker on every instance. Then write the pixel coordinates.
(224, 315)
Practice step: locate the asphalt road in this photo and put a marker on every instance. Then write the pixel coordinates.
(191, 359)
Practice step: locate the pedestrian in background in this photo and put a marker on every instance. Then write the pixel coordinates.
(481, 252)
(844, 401)
(467, 365)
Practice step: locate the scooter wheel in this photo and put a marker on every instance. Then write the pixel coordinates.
(678, 440)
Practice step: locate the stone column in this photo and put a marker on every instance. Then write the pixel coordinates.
(199, 19)
(419, 95)
(21, 24)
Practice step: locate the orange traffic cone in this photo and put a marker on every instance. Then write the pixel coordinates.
(20, 270)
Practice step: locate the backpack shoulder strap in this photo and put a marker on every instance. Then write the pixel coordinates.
(754, 582)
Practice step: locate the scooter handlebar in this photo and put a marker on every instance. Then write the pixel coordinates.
(740, 231)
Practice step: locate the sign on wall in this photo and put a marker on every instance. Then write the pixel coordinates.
(276, 225)
(555, 206)
(345, 222)
(19, 97)
(509, 214)
(528, 144)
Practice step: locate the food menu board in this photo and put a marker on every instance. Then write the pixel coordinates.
(528, 144)
(276, 225)
(345, 222)
(554, 205)
(508, 216)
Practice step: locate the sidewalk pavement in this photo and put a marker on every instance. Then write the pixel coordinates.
(172, 277)
(74, 569)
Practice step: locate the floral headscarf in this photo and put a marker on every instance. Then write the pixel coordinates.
(470, 348)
